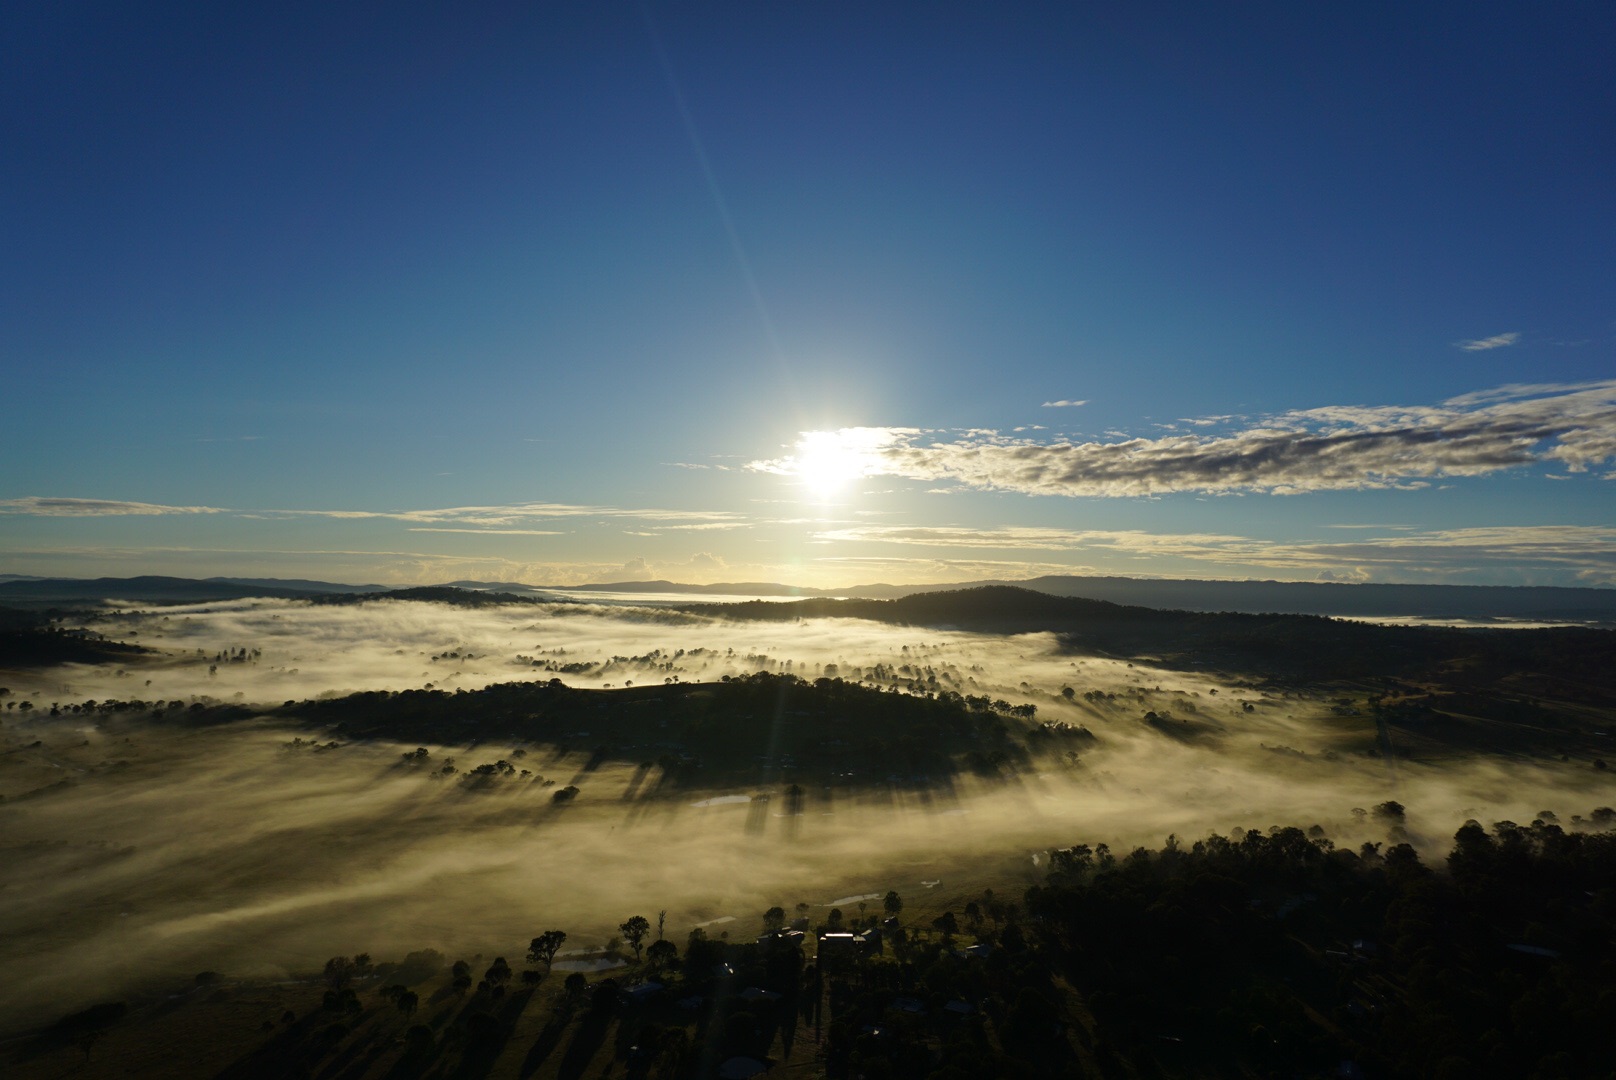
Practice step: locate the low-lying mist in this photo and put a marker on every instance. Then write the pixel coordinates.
(139, 849)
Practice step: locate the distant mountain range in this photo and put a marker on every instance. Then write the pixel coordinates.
(166, 590)
(1272, 643)
(1255, 597)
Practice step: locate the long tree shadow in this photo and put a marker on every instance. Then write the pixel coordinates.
(634, 782)
(786, 1020)
(285, 1052)
(544, 1046)
(586, 1042)
(486, 1039)
(412, 1065)
(780, 1022)
(355, 1061)
(489, 1023)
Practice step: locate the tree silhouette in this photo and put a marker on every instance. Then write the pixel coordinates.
(893, 904)
(634, 931)
(542, 949)
(339, 970)
(661, 953)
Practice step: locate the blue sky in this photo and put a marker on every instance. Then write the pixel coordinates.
(552, 292)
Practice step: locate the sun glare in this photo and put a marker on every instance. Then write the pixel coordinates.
(826, 462)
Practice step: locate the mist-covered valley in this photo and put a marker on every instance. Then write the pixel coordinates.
(201, 807)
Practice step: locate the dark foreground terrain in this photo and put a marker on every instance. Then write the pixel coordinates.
(1262, 954)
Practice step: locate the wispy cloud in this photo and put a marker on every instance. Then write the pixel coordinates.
(1497, 341)
(705, 526)
(1339, 447)
(514, 513)
(958, 536)
(1064, 404)
(34, 506)
(946, 569)
(487, 532)
(471, 518)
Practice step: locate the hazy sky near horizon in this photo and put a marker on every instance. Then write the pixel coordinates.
(818, 293)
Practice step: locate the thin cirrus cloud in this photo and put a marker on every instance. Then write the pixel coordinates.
(489, 519)
(515, 513)
(487, 532)
(1497, 341)
(1341, 447)
(1064, 404)
(34, 506)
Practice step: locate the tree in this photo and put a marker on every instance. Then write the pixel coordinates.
(407, 1003)
(661, 952)
(634, 931)
(542, 949)
(574, 985)
(774, 919)
(338, 971)
(947, 925)
(603, 1002)
(702, 953)
(892, 904)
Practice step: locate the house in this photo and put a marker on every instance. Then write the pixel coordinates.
(642, 993)
(836, 948)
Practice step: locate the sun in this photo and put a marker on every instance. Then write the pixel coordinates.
(826, 462)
